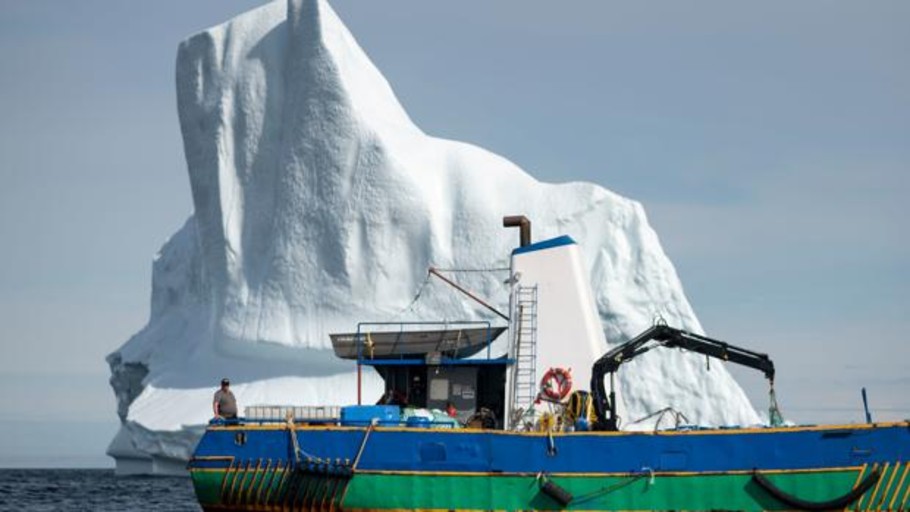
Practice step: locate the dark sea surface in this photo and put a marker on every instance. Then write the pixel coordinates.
(92, 489)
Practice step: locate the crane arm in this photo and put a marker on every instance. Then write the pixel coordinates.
(666, 336)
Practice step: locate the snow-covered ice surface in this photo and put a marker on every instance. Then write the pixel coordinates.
(319, 203)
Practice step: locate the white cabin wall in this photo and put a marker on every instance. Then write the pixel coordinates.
(569, 331)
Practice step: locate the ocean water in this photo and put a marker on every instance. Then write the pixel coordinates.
(92, 489)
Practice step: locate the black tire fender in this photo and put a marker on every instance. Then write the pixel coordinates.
(801, 504)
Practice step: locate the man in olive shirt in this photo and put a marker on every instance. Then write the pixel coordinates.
(225, 405)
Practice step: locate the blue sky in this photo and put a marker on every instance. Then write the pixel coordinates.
(769, 143)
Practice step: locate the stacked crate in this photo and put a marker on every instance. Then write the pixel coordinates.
(299, 412)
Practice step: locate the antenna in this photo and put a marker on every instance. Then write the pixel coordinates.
(866, 407)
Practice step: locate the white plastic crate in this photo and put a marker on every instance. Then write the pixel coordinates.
(300, 412)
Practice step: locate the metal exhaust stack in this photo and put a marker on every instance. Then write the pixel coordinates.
(524, 225)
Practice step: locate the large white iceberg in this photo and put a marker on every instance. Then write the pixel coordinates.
(318, 204)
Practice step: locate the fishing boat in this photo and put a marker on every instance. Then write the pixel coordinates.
(511, 439)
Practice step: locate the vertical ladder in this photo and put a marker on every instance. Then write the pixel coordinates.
(524, 380)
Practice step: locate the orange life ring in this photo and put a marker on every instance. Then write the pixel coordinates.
(556, 383)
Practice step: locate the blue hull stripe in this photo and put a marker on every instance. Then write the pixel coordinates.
(429, 450)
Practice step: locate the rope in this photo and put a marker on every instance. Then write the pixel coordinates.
(551, 444)
(420, 290)
(363, 444)
(292, 430)
(660, 416)
(774, 416)
(645, 472)
(370, 345)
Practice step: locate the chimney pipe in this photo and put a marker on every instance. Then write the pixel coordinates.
(524, 225)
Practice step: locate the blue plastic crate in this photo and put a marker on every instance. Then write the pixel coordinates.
(365, 414)
(418, 422)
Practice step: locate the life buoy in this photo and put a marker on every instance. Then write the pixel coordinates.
(556, 383)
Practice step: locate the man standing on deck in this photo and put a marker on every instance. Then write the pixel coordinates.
(225, 405)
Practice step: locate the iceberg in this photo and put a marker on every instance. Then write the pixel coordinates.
(318, 203)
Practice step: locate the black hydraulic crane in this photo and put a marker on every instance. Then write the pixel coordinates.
(662, 336)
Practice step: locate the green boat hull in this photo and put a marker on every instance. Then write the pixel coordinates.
(263, 487)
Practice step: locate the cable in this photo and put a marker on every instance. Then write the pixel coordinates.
(420, 290)
(463, 270)
(426, 281)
